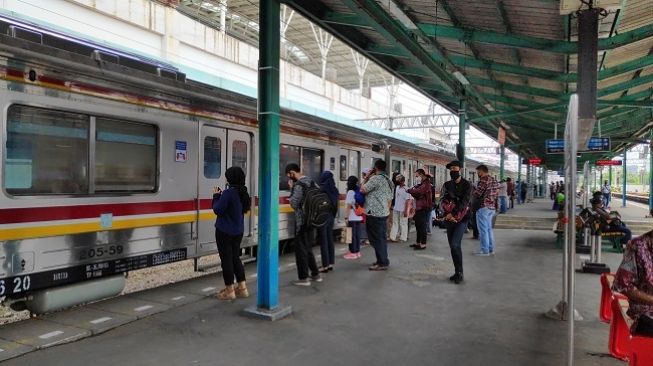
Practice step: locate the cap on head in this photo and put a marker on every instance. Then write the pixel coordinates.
(454, 163)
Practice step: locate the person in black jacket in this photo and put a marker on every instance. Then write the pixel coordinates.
(456, 194)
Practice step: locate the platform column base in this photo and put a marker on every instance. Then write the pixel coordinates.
(275, 314)
(596, 268)
(559, 312)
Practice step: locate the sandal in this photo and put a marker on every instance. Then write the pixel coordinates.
(227, 294)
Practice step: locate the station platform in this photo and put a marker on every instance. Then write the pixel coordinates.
(410, 314)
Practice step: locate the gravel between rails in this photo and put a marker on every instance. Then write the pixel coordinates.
(143, 279)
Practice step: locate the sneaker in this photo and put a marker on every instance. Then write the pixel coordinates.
(316, 278)
(376, 267)
(351, 255)
(458, 280)
(359, 254)
(481, 254)
(492, 253)
(305, 282)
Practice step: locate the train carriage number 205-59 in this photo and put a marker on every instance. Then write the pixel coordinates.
(100, 252)
(15, 285)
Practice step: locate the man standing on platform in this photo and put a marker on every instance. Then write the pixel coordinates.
(454, 201)
(485, 198)
(377, 189)
(503, 196)
(511, 192)
(607, 193)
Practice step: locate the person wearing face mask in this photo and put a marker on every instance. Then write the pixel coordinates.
(485, 200)
(304, 257)
(423, 204)
(454, 202)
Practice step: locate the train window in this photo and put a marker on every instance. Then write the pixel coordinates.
(287, 154)
(47, 152)
(312, 163)
(212, 157)
(239, 154)
(125, 156)
(343, 167)
(396, 166)
(354, 159)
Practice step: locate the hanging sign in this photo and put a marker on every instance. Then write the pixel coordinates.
(533, 161)
(595, 144)
(609, 162)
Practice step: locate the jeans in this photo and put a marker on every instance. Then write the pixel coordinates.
(486, 234)
(455, 231)
(327, 249)
(376, 234)
(399, 229)
(356, 228)
(304, 257)
(421, 218)
(503, 204)
(606, 199)
(621, 229)
(229, 251)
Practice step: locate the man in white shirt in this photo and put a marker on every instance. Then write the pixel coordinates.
(503, 196)
(607, 193)
(400, 211)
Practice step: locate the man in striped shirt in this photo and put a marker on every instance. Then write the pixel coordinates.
(485, 199)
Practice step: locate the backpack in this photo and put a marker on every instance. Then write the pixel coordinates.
(316, 205)
(359, 197)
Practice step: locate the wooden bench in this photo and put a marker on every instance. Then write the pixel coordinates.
(614, 239)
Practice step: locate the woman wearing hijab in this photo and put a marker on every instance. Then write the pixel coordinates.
(325, 233)
(230, 206)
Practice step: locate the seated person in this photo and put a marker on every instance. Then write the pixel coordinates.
(634, 279)
(610, 221)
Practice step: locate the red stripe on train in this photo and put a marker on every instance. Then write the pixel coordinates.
(21, 215)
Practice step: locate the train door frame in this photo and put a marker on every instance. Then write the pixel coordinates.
(205, 236)
(233, 136)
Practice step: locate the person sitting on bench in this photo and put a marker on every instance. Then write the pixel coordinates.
(610, 220)
(634, 278)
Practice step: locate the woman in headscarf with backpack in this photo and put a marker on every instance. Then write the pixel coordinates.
(325, 232)
(230, 206)
(354, 213)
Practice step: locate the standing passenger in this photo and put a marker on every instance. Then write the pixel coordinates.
(230, 207)
(455, 204)
(400, 211)
(511, 192)
(377, 188)
(325, 233)
(353, 218)
(485, 197)
(606, 192)
(304, 257)
(423, 206)
(503, 196)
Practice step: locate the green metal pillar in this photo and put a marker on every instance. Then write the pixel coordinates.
(502, 163)
(650, 173)
(462, 122)
(624, 180)
(610, 175)
(267, 297)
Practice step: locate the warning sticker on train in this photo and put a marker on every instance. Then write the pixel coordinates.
(180, 151)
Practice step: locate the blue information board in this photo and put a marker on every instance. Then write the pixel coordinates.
(595, 144)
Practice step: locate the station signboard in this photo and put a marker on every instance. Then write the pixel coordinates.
(533, 161)
(608, 163)
(595, 144)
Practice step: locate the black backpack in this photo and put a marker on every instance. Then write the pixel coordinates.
(316, 205)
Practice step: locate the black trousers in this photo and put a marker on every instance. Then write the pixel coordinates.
(455, 231)
(421, 221)
(229, 250)
(304, 257)
(644, 327)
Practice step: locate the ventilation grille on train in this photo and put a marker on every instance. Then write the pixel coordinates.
(88, 50)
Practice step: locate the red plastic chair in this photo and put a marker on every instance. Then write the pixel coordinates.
(641, 351)
(605, 308)
(619, 343)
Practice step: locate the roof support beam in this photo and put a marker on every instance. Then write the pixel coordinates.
(520, 41)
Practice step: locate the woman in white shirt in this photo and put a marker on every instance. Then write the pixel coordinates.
(400, 211)
(354, 221)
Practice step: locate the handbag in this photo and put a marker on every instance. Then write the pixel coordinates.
(449, 205)
(359, 211)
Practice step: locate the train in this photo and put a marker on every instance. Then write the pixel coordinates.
(109, 159)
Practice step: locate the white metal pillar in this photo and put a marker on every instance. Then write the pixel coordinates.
(324, 41)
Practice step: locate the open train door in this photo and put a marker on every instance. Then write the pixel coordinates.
(213, 159)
